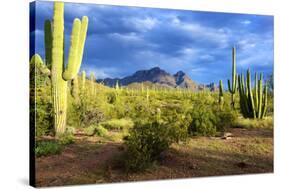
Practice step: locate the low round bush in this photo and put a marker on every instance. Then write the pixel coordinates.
(145, 142)
(96, 130)
(44, 148)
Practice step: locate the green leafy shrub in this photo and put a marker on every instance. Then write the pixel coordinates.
(145, 143)
(225, 118)
(118, 124)
(66, 138)
(204, 120)
(101, 131)
(44, 148)
(98, 130)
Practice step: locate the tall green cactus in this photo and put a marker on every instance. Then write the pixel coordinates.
(54, 50)
(252, 104)
(220, 93)
(232, 88)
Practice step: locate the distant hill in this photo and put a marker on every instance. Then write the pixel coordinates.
(158, 77)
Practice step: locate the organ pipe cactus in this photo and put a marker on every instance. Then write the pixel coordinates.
(252, 105)
(220, 93)
(232, 88)
(54, 50)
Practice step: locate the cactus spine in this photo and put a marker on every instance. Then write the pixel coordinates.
(252, 105)
(220, 93)
(232, 88)
(54, 48)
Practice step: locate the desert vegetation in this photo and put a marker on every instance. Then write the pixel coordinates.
(87, 132)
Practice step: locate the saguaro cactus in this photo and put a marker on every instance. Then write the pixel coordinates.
(54, 49)
(232, 88)
(220, 93)
(252, 106)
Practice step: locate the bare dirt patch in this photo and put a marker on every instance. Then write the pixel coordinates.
(89, 160)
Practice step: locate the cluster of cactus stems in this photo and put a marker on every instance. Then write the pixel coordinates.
(220, 93)
(253, 102)
(54, 57)
(233, 86)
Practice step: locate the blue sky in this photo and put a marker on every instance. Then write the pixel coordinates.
(122, 40)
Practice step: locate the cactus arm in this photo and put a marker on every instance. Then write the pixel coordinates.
(73, 66)
(48, 38)
(37, 61)
(250, 94)
(229, 86)
(260, 97)
(82, 39)
(264, 107)
(256, 100)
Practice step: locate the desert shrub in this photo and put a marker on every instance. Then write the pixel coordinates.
(44, 148)
(266, 123)
(204, 119)
(118, 124)
(145, 142)
(101, 131)
(84, 115)
(70, 130)
(111, 97)
(66, 138)
(98, 130)
(225, 118)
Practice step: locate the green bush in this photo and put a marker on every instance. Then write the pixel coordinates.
(44, 148)
(98, 130)
(226, 118)
(118, 124)
(145, 143)
(203, 121)
(101, 131)
(66, 138)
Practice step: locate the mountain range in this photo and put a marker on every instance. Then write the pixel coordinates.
(160, 77)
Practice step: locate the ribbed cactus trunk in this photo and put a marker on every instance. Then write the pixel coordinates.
(221, 93)
(232, 88)
(60, 75)
(59, 85)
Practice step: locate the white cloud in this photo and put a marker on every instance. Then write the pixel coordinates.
(141, 24)
(220, 36)
(246, 22)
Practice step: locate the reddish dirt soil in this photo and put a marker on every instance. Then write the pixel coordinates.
(89, 161)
